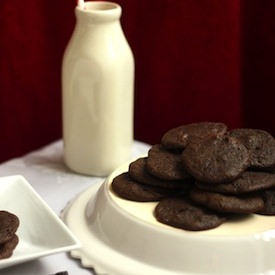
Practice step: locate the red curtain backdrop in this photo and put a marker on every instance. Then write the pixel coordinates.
(196, 60)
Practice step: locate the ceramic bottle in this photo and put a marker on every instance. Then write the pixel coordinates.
(97, 91)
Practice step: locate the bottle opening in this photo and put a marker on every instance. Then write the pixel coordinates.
(100, 6)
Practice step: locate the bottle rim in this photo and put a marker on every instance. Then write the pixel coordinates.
(99, 10)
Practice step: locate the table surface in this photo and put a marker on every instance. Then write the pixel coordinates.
(45, 170)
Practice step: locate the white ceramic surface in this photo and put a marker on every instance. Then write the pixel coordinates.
(41, 232)
(121, 237)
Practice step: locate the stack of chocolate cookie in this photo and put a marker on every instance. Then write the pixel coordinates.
(9, 224)
(202, 173)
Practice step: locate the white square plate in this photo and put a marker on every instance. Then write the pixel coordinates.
(41, 232)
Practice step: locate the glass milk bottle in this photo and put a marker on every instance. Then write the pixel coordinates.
(97, 91)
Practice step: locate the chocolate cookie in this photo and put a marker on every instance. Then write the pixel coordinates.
(165, 165)
(129, 189)
(138, 171)
(245, 204)
(269, 202)
(261, 146)
(7, 248)
(8, 225)
(248, 181)
(216, 159)
(178, 138)
(183, 213)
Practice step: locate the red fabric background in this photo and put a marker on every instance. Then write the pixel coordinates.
(195, 60)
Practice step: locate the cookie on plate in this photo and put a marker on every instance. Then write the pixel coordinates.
(7, 248)
(129, 189)
(165, 164)
(185, 214)
(245, 204)
(178, 138)
(261, 146)
(269, 202)
(138, 171)
(9, 224)
(248, 181)
(215, 159)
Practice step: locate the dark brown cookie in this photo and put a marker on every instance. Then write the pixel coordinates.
(248, 181)
(165, 165)
(7, 248)
(216, 159)
(138, 171)
(269, 202)
(178, 138)
(261, 146)
(129, 189)
(245, 204)
(9, 223)
(185, 214)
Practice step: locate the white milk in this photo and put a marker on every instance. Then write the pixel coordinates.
(97, 92)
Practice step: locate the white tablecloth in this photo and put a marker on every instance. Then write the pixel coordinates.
(46, 172)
